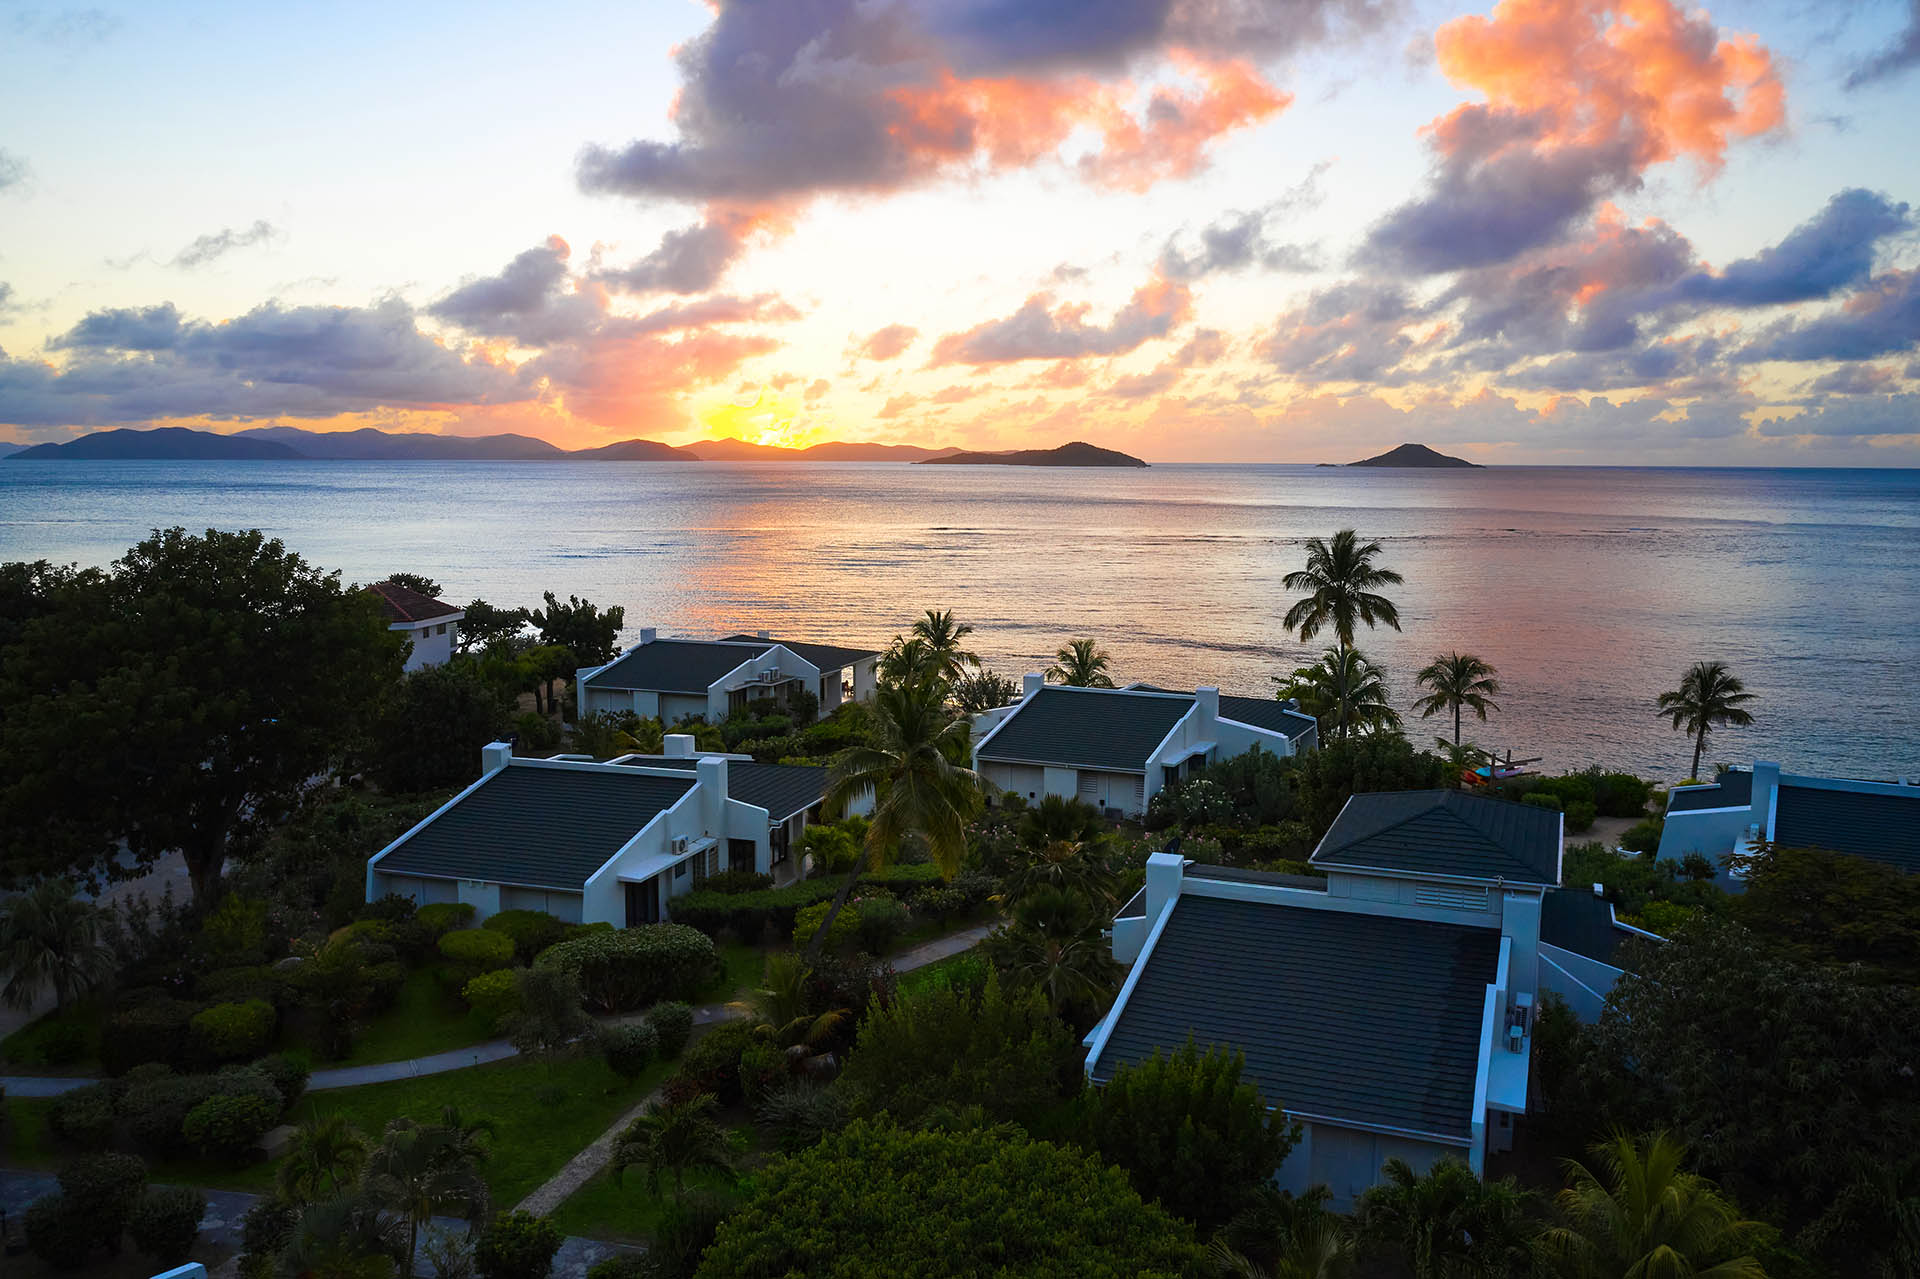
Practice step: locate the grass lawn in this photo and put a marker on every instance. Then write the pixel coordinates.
(628, 1213)
(27, 1046)
(742, 969)
(942, 972)
(424, 1020)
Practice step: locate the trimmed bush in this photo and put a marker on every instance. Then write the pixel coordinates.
(672, 1023)
(84, 1117)
(473, 951)
(1643, 837)
(288, 1073)
(440, 918)
(633, 967)
(770, 913)
(494, 995)
(238, 985)
(228, 1032)
(229, 1126)
(882, 921)
(59, 1233)
(516, 1245)
(1580, 816)
(738, 881)
(1541, 799)
(166, 1222)
(762, 1065)
(841, 936)
(1621, 794)
(628, 1050)
(156, 1109)
(103, 1189)
(531, 931)
(154, 1030)
(713, 1063)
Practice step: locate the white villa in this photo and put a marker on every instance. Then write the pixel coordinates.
(674, 679)
(1116, 747)
(1743, 807)
(1388, 1007)
(590, 842)
(432, 625)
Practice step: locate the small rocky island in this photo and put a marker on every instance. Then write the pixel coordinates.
(1078, 453)
(1414, 455)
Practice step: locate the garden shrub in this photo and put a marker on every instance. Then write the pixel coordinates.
(1621, 794)
(494, 995)
(391, 907)
(852, 982)
(235, 931)
(738, 881)
(229, 1126)
(903, 880)
(535, 733)
(238, 985)
(624, 1266)
(712, 1064)
(1541, 799)
(684, 1231)
(63, 1043)
(1643, 836)
(1580, 816)
(437, 919)
(1282, 841)
(629, 1050)
(288, 1073)
(844, 932)
(228, 1032)
(750, 916)
(265, 1231)
(156, 1109)
(166, 1221)
(1663, 918)
(882, 921)
(84, 1117)
(103, 1189)
(1697, 866)
(59, 1233)
(941, 904)
(631, 968)
(531, 931)
(762, 1065)
(672, 1023)
(799, 1112)
(473, 951)
(516, 1245)
(154, 1030)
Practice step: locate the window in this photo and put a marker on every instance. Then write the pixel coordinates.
(680, 871)
(440, 629)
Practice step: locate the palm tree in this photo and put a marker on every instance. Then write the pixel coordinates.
(680, 1137)
(784, 1007)
(1055, 942)
(1065, 864)
(1461, 757)
(51, 938)
(1081, 664)
(1058, 817)
(908, 661)
(1642, 1214)
(1341, 584)
(343, 1237)
(323, 1159)
(421, 1171)
(943, 637)
(1457, 680)
(1321, 1248)
(1449, 1223)
(907, 764)
(466, 1134)
(1708, 695)
(1345, 691)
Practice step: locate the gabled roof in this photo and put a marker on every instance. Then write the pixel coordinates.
(1268, 713)
(1444, 832)
(827, 657)
(403, 605)
(1574, 919)
(540, 827)
(1103, 728)
(1734, 789)
(781, 789)
(677, 666)
(1368, 1018)
(1874, 825)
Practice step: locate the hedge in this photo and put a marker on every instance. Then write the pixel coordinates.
(440, 918)
(156, 1109)
(846, 925)
(228, 1032)
(166, 1222)
(475, 950)
(84, 1117)
(631, 968)
(531, 931)
(155, 1030)
(494, 995)
(103, 1189)
(771, 912)
(229, 1126)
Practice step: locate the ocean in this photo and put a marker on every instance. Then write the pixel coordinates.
(1591, 589)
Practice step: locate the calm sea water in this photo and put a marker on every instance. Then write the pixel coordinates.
(1590, 589)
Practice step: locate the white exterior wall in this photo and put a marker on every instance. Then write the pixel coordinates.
(865, 680)
(1711, 832)
(1347, 1161)
(1024, 780)
(1123, 791)
(1584, 983)
(789, 664)
(1064, 782)
(432, 641)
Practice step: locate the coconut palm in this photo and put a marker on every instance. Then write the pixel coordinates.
(343, 1237)
(909, 661)
(1457, 681)
(1708, 696)
(323, 1159)
(908, 765)
(944, 638)
(1345, 691)
(1449, 1224)
(52, 939)
(1081, 664)
(1055, 942)
(1637, 1213)
(677, 1137)
(1065, 864)
(421, 1171)
(1321, 1248)
(783, 1007)
(1461, 757)
(1341, 585)
(1058, 817)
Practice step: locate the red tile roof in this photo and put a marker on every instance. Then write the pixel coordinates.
(403, 605)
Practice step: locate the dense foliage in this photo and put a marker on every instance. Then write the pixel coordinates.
(629, 968)
(516, 1245)
(430, 727)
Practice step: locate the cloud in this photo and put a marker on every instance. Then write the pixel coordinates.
(1582, 97)
(151, 328)
(885, 343)
(1353, 332)
(528, 301)
(6, 298)
(1828, 252)
(1855, 416)
(1898, 58)
(693, 258)
(207, 248)
(13, 171)
(1238, 239)
(1880, 319)
(1039, 330)
(1856, 379)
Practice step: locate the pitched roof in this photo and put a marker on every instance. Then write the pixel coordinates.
(1246, 875)
(403, 605)
(781, 789)
(1574, 919)
(1107, 729)
(1734, 789)
(1269, 713)
(1444, 832)
(541, 827)
(1368, 1018)
(677, 666)
(1878, 826)
(827, 657)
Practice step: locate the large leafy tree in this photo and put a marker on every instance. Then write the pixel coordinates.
(188, 700)
(1449, 1224)
(1341, 584)
(51, 939)
(431, 726)
(1346, 692)
(1637, 1211)
(1456, 682)
(1081, 663)
(1325, 779)
(416, 582)
(485, 625)
(591, 634)
(983, 690)
(1819, 906)
(1709, 696)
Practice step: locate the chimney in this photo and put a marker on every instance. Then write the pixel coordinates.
(648, 634)
(712, 771)
(1030, 683)
(1766, 787)
(1164, 873)
(678, 745)
(494, 756)
(765, 635)
(1208, 700)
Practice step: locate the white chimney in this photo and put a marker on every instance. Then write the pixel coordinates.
(1208, 700)
(1766, 787)
(1164, 873)
(712, 771)
(494, 756)
(678, 745)
(765, 635)
(1031, 683)
(648, 634)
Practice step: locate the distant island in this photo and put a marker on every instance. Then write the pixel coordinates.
(730, 450)
(1414, 455)
(165, 443)
(1078, 453)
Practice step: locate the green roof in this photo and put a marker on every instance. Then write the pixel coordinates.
(1574, 919)
(1870, 824)
(828, 657)
(539, 827)
(1108, 729)
(676, 666)
(781, 789)
(1371, 1019)
(1269, 713)
(1444, 832)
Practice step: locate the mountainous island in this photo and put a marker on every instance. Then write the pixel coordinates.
(165, 443)
(1414, 455)
(730, 450)
(1077, 453)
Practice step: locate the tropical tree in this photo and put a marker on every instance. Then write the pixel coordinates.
(1341, 584)
(677, 1137)
(1709, 695)
(345, 1236)
(1449, 1224)
(983, 690)
(323, 1160)
(1457, 681)
(1320, 1249)
(1346, 692)
(907, 765)
(1460, 757)
(784, 1006)
(421, 1171)
(1054, 942)
(549, 1014)
(1642, 1214)
(1067, 865)
(944, 639)
(468, 1138)
(485, 625)
(415, 582)
(51, 939)
(589, 633)
(1081, 664)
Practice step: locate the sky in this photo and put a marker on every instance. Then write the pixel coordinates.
(1536, 231)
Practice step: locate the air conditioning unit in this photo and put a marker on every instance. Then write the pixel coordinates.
(679, 845)
(771, 675)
